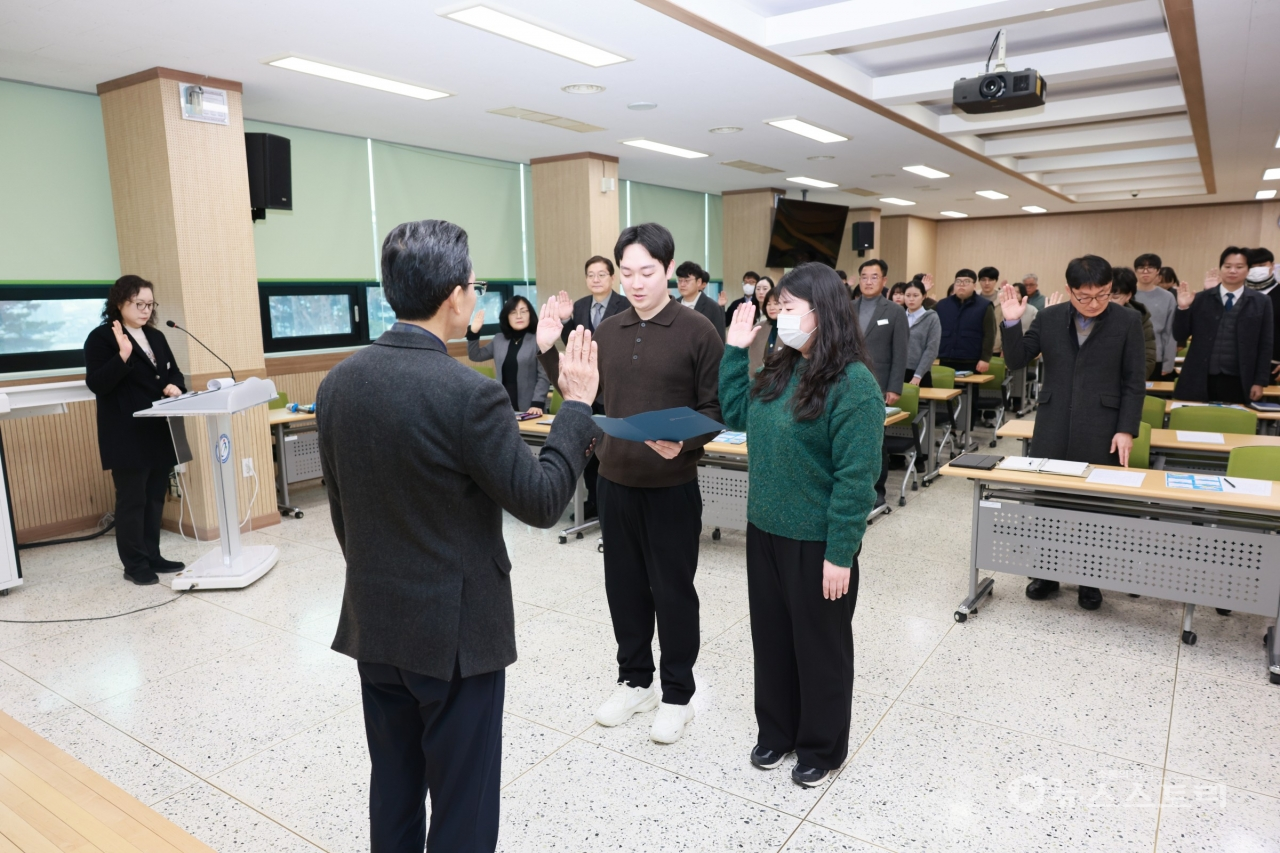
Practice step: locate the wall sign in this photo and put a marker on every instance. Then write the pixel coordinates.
(200, 103)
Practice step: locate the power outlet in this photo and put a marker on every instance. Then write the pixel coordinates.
(246, 466)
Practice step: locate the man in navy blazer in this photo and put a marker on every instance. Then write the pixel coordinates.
(1232, 328)
(603, 302)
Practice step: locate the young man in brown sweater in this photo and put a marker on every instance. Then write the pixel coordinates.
(654, 355)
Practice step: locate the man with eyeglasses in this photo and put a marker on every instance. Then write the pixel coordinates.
(1161, 305)
(968, 326)
(1090, 406)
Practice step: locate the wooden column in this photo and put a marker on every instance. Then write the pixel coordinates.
(748, 222)
(180, 191)
(910, 246)
(575, 216)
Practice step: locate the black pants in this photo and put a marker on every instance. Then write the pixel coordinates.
(926, 378)
(139, 506)
(442, 738)
(958, 364)
(1225, 388)
(650, 557)
(589, 475)
(803, 647)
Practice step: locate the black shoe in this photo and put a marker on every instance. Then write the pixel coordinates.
(1089, 597)
(1039, 589)
(164, 566)
(142, 577)
(589, 510)
(810, 777)
(879, 502)
(766, 759)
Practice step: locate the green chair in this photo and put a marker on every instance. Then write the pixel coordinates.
(1259, 463)
(486, 369)
(945, 378)
(556, 400)
(904, 438)
(1214, 419)
(1153, 411)
(1140, 455)
(281, 400)
(993, 395)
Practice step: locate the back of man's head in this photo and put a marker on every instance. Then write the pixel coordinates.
(655, 239)
(704, 276)
(1088, 271)
(422, 262)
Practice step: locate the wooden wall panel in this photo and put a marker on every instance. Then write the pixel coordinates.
(748, 222)
(1188, 239)
(572, 219)
(909, 246)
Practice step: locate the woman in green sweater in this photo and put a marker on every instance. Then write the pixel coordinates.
(814, 417)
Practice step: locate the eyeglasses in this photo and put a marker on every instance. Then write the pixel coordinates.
(1091, 300)
(146, 306)
(967, 281)
(481, 287)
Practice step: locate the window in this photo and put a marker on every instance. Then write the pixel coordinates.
(300, 316)
(43, 326)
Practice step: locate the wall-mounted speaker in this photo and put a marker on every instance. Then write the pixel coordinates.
(270, 175)
(864, 236)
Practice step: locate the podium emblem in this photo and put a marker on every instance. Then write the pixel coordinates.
(224, 448)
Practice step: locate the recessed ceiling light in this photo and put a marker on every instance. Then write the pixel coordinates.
(725, 130)
(954, 214)
(1263, 195)
(1271, 175)
(345, 75)
(533, 35)
(991, 194)
(810, 131)
(1034, 208)
(814, 182)
(582, 89)
(898, 201)
(926, 172)
(885, 175)
(661, 148)
(642, 105)
(821, 157)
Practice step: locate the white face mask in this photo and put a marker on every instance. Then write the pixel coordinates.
(748, 289)
(789, 329)
(1259, 274)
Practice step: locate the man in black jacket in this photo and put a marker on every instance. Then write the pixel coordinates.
(603, 302)
(420, 456)
(1232, 329)
(1090, 405)
(1262, 279)
(689, 281)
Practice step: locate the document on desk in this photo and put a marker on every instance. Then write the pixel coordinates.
(1040, 465)
(679, 424)
(1107, 477)
(1201, 437)
(1213, 483)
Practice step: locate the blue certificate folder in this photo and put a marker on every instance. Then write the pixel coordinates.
(679, 424)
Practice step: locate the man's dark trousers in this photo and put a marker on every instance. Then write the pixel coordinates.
(442, 738)
(650, 557)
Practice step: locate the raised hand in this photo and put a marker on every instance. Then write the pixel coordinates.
(722, 299)
(549, 326)
(1211, 279)
(564, 306)
(579, 367)
(742, 329)
(1185, 296)
(123, 341)
(1055, 298)
(927, 281)
(1012, 305)
(477, 321)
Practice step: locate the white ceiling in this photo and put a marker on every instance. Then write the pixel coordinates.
(1117, 126)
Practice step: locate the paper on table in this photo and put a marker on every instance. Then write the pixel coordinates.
(1246, 486)
(1107, 477)
(1201, 437)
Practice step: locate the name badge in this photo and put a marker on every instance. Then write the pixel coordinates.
(883, 322)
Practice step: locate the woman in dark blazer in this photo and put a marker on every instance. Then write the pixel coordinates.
(514, 354)
(128, 365)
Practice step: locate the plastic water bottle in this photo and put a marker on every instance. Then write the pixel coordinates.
(309, 409)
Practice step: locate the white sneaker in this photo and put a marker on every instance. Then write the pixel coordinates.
(670, 722)
(626, 701)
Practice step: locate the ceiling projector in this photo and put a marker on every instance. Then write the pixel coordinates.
(1001, 90)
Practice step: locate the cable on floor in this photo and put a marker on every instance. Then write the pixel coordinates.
(94, 535)
(90, 618)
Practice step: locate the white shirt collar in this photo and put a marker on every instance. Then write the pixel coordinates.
(1222, 293)
(915, 316)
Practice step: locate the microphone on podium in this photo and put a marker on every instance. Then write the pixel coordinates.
(173, 325)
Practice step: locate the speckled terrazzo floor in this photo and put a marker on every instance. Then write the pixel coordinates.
(1034, 726)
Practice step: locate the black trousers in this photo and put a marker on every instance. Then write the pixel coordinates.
(650, 557)
(442, 738)
(959, 364)
(926, 378)
(803, 647)
(139, 506)
(589, 475)
(1226, 388)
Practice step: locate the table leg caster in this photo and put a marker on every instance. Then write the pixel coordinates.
(600, 546)
(715, 534)
(961, 617)
(992, 444)
(1275, 678)
(1189, 637)
(298, 514)
(564, 540)
(1222, 611)
(578, 536)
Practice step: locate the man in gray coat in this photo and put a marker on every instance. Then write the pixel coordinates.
(420, 456)
(888, 336)
(1090, 405)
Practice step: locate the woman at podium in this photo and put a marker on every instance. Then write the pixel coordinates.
(128, 366)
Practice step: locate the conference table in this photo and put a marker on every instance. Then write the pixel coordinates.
(936, 398)
(1165, 389)
(278, 420)
(969, 383)
(1192, 544)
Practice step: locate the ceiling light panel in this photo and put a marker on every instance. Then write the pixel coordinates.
(805, 129)
(1263, 195)
(991, 194)
(1034, 208)
(547, 118)
(358, 78)
(501, 24)
(926, 172)
(813, 182)
(954, 214)
(901, 202)
(862, 191)
(1271, 175)
(662, 148)
(748, 166)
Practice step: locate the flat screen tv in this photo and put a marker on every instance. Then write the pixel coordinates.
(806, 231)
